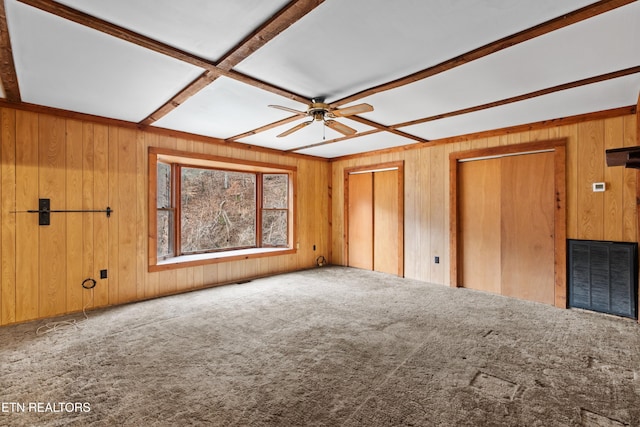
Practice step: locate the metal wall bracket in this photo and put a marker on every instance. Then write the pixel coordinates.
(44, 211)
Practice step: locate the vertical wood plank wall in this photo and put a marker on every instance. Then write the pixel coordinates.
(611, 215)
(85, 165)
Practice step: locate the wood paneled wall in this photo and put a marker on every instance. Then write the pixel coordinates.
(611, 215)
(86, 165)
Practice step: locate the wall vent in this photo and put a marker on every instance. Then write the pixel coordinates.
(603, 276)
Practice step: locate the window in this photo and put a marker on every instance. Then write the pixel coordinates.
(208, 208)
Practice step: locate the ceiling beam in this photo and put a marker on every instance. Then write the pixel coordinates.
(8, 73)
(546, 91)
(493, 47)
(331, 141)
(377, 128)
(187, 92)
(264, 128)
(282, 20)
(385, 128)
(254, 41)
(113, 30)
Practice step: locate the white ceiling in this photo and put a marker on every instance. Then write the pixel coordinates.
(338, 49)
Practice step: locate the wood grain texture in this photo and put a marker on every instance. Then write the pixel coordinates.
(100, 236)
(570, 132)
(590, 170)
(27, 233)
(140, 207)
(75, 252)
(126, 196)
(527, 227)
(437, 190)
(413, 172)
(114, 221)
(479, 216)
(455, 249)
(387, 217)
(360, 220)
(560, 223)
(8, 217)
(88, 219)
(613, 178)
(51, 185)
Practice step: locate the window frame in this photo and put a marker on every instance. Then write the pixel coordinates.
(180, 159)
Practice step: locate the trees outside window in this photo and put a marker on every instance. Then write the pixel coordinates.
(202, 208)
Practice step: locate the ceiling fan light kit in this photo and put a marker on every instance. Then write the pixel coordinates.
(318, 110)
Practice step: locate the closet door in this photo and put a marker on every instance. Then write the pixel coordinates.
(360, 217)
(479, 216)
(506, 215)
(527, 233)
(375, 222)
(386, 216)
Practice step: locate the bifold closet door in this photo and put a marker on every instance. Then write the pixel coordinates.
(375, 221)
(385, 222)
(479, 216)
(360, 217)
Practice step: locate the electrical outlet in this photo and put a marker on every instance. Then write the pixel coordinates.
(437, 260)
(103, 274)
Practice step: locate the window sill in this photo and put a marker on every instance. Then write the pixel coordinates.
(212, 258)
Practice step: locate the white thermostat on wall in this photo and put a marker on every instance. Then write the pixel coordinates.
(599, 187)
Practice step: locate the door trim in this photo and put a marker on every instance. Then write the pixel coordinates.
(378, 167)
(558, 146)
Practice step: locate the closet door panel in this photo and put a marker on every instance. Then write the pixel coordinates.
(479, 218)
(527, 247)
(360, 211)
(386, 222)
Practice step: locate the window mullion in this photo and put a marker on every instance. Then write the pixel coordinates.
(177, 211)
(259, 205)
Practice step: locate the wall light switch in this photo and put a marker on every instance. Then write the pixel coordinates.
(599, 187)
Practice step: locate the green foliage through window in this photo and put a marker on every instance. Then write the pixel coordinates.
(203, 210)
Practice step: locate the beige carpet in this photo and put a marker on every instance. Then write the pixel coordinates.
(325, 347)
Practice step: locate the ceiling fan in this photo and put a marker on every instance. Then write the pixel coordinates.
(318, 110)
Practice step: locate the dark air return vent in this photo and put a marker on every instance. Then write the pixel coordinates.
(603, 276)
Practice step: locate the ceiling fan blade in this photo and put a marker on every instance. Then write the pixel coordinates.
(294, 129)
(337, 126)
(291, 110)
(350, 111)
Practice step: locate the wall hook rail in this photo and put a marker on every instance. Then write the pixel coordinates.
(44, 211)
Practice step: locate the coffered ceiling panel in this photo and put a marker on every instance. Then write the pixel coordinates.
(226, 108)
(346, 46)
(66, 65)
